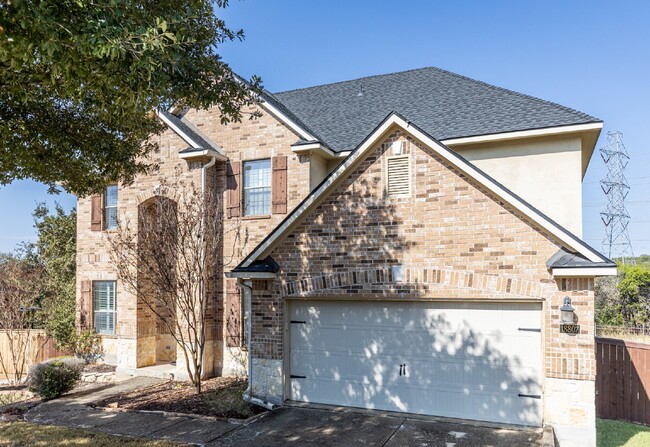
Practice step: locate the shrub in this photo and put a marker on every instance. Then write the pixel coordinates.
(88, 346)
(51, 379)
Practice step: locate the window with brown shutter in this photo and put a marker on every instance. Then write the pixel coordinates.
(96, 213)
(279, 185)
(233, 191)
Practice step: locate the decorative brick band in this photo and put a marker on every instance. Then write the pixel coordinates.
(417, 279)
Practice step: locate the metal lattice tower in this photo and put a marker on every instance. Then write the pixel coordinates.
(616, 243)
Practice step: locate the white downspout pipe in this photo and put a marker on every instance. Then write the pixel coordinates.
(248, 304)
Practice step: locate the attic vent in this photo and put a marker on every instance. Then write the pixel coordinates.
(398, 176)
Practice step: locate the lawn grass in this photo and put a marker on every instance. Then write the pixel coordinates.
(24, 434)
(621, 434)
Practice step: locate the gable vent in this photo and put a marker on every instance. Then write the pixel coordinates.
(398, 176)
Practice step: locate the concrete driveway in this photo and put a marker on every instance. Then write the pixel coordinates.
(293, 426)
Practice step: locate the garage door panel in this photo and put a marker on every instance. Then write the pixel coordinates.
(467, 360)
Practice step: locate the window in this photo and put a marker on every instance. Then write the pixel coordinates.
(110, 208)
(104, 307)
(257, 188)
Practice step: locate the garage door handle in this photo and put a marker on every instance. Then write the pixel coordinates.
(297, 377)
(297, 322)
(532, 396)
(529, 329)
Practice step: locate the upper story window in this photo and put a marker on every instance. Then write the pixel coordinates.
(104, 307)
(110, 208)
(257, 187)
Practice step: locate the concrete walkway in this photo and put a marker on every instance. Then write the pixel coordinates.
(74, 411)
(288, 426)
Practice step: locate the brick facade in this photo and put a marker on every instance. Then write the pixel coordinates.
(450, 238)
(134, 340)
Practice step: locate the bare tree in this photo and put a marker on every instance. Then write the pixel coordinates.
(20, 292)
(170, 261)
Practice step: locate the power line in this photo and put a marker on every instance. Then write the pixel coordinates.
(616, 242)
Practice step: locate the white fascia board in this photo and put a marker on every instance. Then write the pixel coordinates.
(203, 153)
(583, 272)
(286, 120)
(467, 168)
(251, 275)
(179, 132)
(316, 147)
(548, 131)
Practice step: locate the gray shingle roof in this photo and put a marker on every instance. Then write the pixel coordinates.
(444, 104)
(267, 265)
(178, 122)
(566, 259)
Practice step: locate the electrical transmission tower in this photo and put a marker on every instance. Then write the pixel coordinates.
(616, 243)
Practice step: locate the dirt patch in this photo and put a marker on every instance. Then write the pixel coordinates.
(16, 399)
(221, 397)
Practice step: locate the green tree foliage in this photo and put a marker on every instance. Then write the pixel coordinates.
(56, 250)
(634, 294)
(79, 80)
(608, 306)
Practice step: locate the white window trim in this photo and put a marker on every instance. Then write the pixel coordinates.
(251, 188)
(107, 207)
(114, 311)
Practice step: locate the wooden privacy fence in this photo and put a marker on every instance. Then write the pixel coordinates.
(622, 380)
(40, 347)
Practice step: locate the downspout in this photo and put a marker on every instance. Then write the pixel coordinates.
(248, 303)
(204, 170)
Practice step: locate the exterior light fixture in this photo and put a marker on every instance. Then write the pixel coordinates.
(567, 311)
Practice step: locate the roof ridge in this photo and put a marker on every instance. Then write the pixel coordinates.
(516, 93)
(352, 80)
(460, 76)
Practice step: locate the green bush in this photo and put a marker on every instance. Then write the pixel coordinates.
(88, 346)
(51, 379)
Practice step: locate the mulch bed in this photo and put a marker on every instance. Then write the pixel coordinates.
(221, 397)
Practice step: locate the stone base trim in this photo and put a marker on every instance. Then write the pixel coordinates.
(266, 378)
(570, 409)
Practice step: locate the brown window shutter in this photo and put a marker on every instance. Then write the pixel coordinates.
(233, 189)
(279, 185)
(96, 213)
(233, 314)
(86, 314)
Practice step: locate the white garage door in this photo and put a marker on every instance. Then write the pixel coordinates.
(466, 360)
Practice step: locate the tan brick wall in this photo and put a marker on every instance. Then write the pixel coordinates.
(262, 137)
(454, 239)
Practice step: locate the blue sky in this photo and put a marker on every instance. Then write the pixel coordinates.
(589, 55)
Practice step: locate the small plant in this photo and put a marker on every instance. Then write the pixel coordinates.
(88, 346)
(51, 379)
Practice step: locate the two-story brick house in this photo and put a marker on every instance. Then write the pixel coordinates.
(410, 240)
